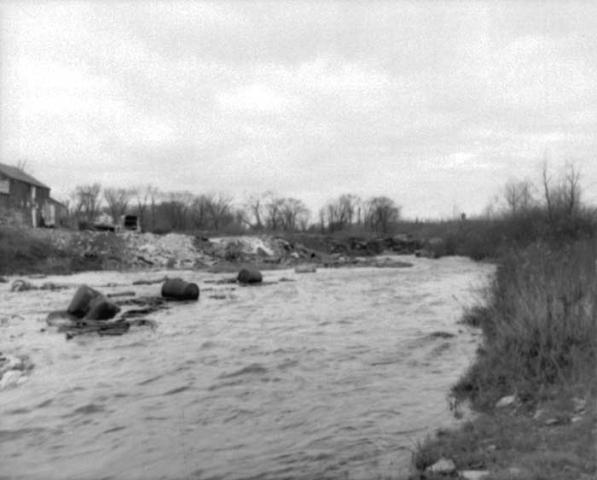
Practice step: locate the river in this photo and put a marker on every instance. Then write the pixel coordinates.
(335, 374)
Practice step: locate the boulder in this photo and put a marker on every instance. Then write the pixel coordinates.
(179, 289)
(100, 308)
(249, 276)
(80, 303)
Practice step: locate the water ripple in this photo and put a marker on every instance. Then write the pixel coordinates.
(333, 375)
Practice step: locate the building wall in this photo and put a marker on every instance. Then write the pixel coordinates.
(26, 199)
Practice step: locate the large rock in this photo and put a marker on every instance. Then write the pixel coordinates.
(81, 301)
(100, 308)
(249, 276)
(179, 289)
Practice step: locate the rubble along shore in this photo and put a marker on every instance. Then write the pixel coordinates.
(62, 251)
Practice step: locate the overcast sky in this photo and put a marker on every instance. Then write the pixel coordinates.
(435, 104)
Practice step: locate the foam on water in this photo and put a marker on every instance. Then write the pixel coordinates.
(334, 375)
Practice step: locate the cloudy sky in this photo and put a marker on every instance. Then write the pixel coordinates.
(435, 104)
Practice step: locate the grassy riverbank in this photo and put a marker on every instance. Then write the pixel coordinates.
(539, 350)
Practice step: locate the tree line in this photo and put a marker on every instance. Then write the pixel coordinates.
(161, 211)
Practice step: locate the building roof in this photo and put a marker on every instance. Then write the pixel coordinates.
(18, 174)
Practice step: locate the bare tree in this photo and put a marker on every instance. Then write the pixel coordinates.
(199, 212)
(562, 199)
(273, 211)
(293, 214)
(145, 197)
(219, 210)
(86, 202)
(255, 207)
(381, 213)
(343, 212)
(118, 201)
(518, 196)
(174, 210)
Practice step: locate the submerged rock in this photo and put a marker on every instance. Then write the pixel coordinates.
(101, 328)
(249, 276)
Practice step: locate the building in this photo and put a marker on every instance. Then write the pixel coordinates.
(26, 200)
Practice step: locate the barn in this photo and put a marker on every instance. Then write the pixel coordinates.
(25, 200)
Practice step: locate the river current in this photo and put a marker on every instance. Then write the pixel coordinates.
(335, 374)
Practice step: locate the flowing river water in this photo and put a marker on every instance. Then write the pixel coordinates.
(335, 374)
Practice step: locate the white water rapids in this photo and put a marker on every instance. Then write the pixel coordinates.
(335, 374)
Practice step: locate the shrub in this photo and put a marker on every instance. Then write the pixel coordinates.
(22, 252)
(539, 323)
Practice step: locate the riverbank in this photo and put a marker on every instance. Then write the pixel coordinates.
(532, 387)
(48, 251)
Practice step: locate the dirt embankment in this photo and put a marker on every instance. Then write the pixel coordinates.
(65, 251)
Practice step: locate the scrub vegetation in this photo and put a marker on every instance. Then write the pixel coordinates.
(539, 351)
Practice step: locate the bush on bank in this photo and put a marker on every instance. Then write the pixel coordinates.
(21, 252)
(539, 324)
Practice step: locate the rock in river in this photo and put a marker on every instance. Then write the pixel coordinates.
(178, 289)
(100, 308)
(247, 276)
(80, 303)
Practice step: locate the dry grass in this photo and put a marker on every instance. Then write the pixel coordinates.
(540, 343)
(511, 445)
(539, 324)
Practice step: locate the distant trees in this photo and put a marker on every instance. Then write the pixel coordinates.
(145, 198)
(551, 210)
(254, 209)
(86, 202)
(284, 213)
(562, 197)
(160, 211)
(518, 196)
(118, 201)
(219, 210)
(348, 211)
(381, 213)
(342, 212)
